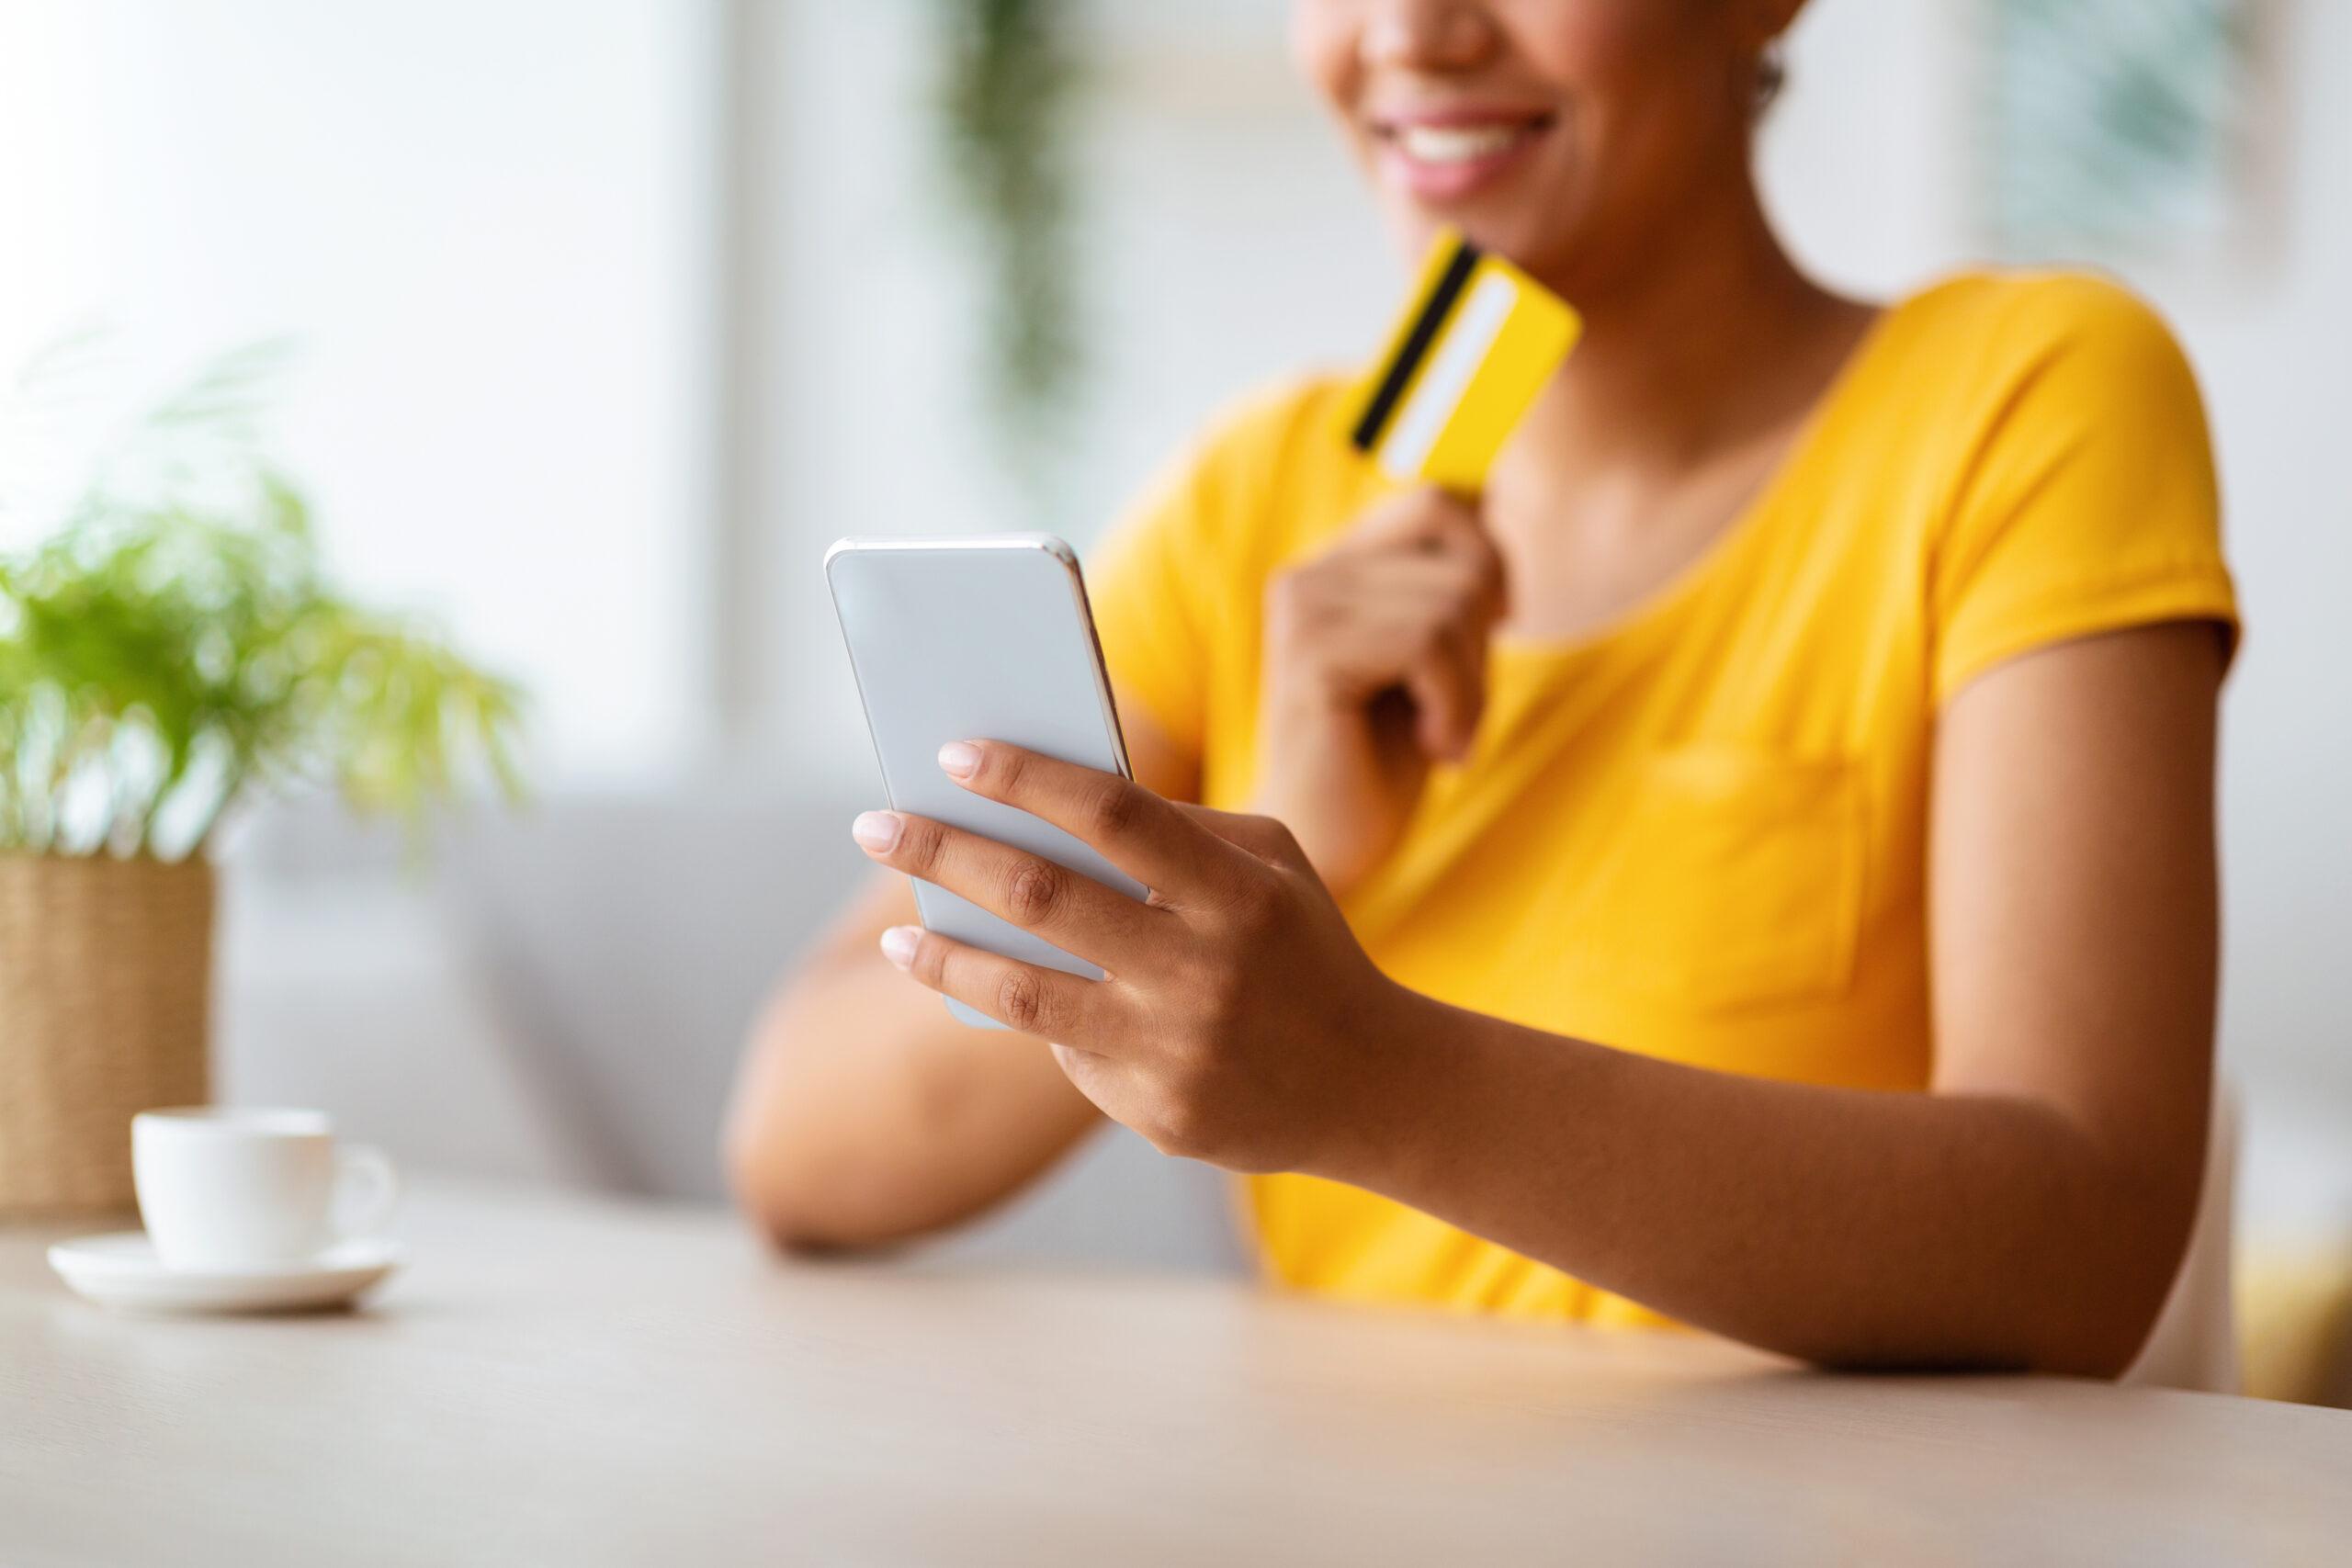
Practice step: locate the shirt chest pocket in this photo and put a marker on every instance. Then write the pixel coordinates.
(1734, 880)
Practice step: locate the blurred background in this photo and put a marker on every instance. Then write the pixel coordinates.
(608, 315)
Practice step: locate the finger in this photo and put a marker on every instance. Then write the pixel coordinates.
(1026, 997)
(1494, 575)
(1453, 579)
(1461, 536)
(1075, 913)
(1374, 622)
(1379, 649)
(1129, 826)
(1419, 518)
(1436, 524)
(1448, 689)
(1464, 567)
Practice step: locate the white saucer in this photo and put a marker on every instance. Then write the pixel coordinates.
(122, 1270)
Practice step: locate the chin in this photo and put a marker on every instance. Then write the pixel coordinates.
(1531, 243)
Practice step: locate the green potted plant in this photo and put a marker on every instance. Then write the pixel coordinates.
(172, 648)
(1013, 73)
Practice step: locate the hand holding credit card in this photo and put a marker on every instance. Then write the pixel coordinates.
(1375, 645)
(1474, 348)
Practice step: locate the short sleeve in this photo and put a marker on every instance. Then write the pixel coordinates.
(1175, 584)
(1139, 581)
(2089, 504)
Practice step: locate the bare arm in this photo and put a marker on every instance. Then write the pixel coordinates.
(2027, 1213)
(2031, 1209)
(864, 1114)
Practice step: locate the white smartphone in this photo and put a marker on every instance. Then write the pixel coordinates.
(986, 639)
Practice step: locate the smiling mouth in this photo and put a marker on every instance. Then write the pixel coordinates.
(1449, 145)
(1459, 144)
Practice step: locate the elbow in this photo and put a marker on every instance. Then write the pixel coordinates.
(767, 1203)
(767, 1171)
(2094, 1319)
(779, 1154)
(2089, 1310)
(2104, 1362)
(2096, 1271)
(2098, 1318)
(2035, 1336)
(779, 1209)
(2097, 1311)
(774, 1191)
(2100, 1327)
(810, 1186)
(2102, 1347)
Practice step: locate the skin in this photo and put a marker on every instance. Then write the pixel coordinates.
(2027, 1211)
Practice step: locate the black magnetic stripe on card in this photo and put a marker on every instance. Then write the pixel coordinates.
(1416, 348)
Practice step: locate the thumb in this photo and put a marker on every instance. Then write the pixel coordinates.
(1471, 537)
(1424, 517)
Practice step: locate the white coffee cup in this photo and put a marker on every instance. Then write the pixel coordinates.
(233, 1188)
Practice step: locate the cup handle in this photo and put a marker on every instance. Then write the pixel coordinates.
(367, 1188)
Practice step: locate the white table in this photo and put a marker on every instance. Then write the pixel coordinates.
(559, 1382)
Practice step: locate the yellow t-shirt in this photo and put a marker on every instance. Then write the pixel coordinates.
(1700, 833)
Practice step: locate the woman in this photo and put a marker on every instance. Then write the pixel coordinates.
(1752, 867)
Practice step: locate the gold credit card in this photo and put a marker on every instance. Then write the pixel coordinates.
(1479, 343)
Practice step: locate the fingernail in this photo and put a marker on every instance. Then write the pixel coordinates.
(959, 759)
(876, 830)
(899, 944)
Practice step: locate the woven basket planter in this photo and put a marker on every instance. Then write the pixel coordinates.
(105, 1001)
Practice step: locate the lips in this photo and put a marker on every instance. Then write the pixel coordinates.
(1446, 156)
(1445, 144)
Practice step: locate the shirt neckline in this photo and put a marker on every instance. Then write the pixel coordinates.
(1658, 607)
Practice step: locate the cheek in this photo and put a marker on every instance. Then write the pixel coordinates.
(1639, 77)
(1323, 45)
(1585, 45)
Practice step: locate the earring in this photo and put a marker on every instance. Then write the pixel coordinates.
(1771, 74)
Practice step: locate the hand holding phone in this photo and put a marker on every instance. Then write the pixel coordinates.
(978, 638)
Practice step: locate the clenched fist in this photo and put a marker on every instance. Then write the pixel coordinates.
(1374, 668)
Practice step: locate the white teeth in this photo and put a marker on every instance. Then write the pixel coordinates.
(1455, 143)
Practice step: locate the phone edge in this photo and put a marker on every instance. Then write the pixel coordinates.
(1047, 544)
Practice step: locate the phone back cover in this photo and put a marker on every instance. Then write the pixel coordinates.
(976, 640)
